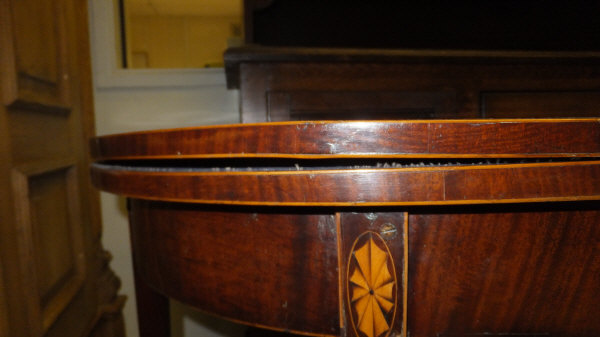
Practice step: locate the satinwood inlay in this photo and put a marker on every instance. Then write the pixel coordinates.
(371, 286)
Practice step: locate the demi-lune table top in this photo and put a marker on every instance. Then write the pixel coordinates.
(366, 228)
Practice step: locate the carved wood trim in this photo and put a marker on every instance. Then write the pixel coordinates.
(108, 320)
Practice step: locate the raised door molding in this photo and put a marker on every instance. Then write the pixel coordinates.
(35, 60)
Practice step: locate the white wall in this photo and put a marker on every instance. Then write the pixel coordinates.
(132, 109)
(167, 41)
(128, 100)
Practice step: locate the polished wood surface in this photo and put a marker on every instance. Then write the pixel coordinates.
(520, 269)
(284, 83)
(55, 278)
(373, 139)
(236, 57)
(454, 228)
(283, 273)
(455, 184)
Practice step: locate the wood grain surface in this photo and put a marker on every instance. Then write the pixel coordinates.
(478, 228)
(277, 270)
(362, 187)
(235, 57)
(398, 139)
(278, 84)
(505, 271)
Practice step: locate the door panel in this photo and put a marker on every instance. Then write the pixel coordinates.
(39, 135)
(51, 242)
(39, 74)
(55, 275)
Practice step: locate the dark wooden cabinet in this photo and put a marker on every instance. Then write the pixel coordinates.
(393, 228)
(278, 84)
(405, 60)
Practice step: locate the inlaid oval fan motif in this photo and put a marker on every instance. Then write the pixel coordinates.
(371, 286)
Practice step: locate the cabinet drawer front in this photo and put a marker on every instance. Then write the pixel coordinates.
(540, 104)
(363, 105)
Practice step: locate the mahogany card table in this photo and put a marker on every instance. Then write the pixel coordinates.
(420, 228)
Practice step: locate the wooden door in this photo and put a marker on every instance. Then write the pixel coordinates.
(55, 279)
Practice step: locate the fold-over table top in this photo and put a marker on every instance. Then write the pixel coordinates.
(356, 163)
(354, 139)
